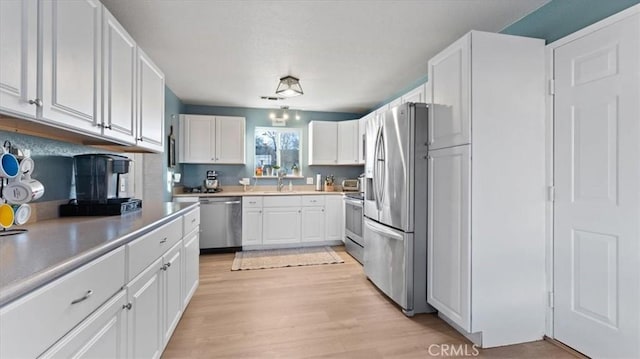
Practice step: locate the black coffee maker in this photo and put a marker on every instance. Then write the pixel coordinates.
(97, 178)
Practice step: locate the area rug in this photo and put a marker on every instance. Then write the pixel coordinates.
(290, 257)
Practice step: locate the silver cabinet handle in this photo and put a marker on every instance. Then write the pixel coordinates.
(164, 267)
(193, 220)
(86, 296)
(37, 102)
(163, 240)
(168, 264)
(127, 306)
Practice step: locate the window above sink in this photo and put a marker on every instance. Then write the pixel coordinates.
(277, 149)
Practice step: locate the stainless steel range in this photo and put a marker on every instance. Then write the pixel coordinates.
(354, 220)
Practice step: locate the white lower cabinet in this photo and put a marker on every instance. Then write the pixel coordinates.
(145, 313)
(291, 221)
(34, 322)
(312, 221)
(102, 335)
(281, 225)
(172, 290)
(334, 218)
(191, 268)
(124, 304)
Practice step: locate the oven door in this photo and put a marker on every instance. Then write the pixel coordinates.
(353, 220)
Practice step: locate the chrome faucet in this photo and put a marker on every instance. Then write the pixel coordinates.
(281, 175)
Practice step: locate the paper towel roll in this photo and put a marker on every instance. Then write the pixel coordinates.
(318, 182)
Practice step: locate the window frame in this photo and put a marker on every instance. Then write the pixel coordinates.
(297, 130)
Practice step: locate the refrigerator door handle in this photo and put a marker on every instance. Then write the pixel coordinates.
(380, 229)
(376, 167)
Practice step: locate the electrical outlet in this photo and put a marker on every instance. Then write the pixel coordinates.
(123, 184)
(309, 180)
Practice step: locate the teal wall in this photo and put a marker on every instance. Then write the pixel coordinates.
(559, 18)
(194, 174)
(173, 107)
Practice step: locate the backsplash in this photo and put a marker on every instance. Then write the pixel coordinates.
(53, 162)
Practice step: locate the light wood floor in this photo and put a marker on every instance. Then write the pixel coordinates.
(327, 311)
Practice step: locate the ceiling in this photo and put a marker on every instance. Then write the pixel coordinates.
(350, 55)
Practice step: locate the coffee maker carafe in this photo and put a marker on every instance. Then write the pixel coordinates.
(211, 182)
(98, 177)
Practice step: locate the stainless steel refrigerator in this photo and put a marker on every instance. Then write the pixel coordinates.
(395, 208)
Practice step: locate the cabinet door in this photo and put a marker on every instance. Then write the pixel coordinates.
(150, 102)
(323, 143)
(251, 226)
(191, 266)
(335, 218)
(348, 142)
(416, 95)
(448, 237)
(197, 138)
(172, 288)
(362, 139)
(119, 78)
(71, 66)
(281, 225)
(313, 224)
(450, 115)
(229, 140)
(144, 293)
(18, 57)
(102, 335)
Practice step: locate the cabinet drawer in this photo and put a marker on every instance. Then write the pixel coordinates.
(146, 249)
(33, 323)
(252, 202)
(281, 201)
(191, 221)
(313, 201)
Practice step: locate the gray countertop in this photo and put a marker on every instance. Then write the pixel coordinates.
(55, 247)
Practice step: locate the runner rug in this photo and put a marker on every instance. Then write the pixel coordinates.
(290, 257)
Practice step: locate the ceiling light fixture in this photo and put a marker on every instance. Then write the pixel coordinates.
(289, 86)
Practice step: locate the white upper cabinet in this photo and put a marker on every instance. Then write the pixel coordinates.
(323, 143)
(212, 139)
(333, 143)
(449, 78)
(230, 140)
(85, 74)
(416, 95)
(71, 64)
(348, 142)
(18, 55)
(150, 102)
(362, 139)
(119, 81)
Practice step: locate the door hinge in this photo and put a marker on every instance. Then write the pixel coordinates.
(551, 193)
(552, 87)
(550, 300)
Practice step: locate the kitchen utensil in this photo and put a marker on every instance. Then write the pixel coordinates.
(21, 213)
(9, 165)
(19, 192)
(6, 215)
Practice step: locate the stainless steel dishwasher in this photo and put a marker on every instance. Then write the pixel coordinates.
(220, 222)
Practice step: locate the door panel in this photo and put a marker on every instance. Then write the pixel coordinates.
(119, 75)
(387, 260)
(150, 104)
(229, 140)
(596, 209)
(71, 63)
(394, 185)
(281, 225)
(199, 138)
(449, 74)
(448, 236)
(18, 41)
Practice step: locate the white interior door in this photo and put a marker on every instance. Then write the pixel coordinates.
(597, 179)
